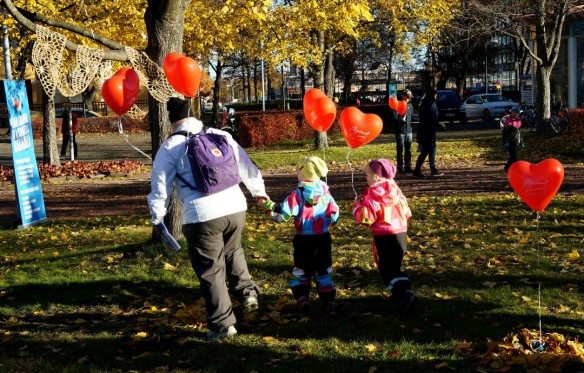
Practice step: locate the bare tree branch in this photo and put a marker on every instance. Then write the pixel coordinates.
(116, 51)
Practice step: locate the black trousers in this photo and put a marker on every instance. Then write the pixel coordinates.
(66, 139)
(313, 257)
(390, 251)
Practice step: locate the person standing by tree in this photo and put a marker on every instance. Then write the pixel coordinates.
(403, 135)
(69, 130)
(426, 135)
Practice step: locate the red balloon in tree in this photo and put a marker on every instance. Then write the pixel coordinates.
(358, 128)
(536, 184)
(120, 92)
(319, 110)
(183, 73)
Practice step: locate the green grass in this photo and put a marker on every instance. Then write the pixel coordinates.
(93, 295)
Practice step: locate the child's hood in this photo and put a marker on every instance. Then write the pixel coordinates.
(312, 191)
(383, 191)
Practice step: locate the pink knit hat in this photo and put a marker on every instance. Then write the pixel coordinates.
(383, 168)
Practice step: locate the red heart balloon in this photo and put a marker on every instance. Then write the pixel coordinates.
(319, 110)
(359, 128)
(393, 103)
(536, 184)
(183, 73)
(402, 107)
(121, 90)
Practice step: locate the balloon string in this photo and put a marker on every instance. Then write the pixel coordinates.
(539, 275)
(125, 136)
(324, 159)
(352, 176)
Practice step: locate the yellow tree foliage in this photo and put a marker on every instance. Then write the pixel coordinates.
(119, 21)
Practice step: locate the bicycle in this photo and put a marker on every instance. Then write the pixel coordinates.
(528, 118)
(559, 121)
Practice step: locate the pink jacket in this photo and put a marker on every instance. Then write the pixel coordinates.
(384, 209)
(512, 122)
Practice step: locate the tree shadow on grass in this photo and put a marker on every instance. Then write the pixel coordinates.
(107, 325)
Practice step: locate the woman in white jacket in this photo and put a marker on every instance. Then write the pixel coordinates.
(212, 224)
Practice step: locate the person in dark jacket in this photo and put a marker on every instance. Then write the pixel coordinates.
(426, 136)
(69, 130)
(403, 135)
(512, 136)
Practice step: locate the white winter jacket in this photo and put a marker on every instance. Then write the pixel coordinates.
(172, 158)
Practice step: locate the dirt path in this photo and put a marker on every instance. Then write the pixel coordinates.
(115, 196)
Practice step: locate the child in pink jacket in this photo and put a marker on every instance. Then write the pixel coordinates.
(384, 209)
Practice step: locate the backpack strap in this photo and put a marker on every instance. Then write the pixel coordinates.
(182, 179)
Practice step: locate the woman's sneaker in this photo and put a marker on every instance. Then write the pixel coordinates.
(224, 332)
(250, 304)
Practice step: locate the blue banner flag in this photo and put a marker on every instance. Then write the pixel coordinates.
(31, 205)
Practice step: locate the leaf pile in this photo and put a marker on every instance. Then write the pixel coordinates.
(81, 170)
(521, 350)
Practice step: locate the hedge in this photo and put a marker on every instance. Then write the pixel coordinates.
(262, 128)
(97, 125)
(576, 124)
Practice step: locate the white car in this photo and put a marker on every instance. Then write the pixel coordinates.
(487, 106)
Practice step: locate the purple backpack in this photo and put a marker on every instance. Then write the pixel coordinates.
(212, 162)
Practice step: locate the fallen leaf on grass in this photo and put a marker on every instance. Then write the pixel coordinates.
(169, 267)
(574, 255)
(371, 347)
(393, 353)
(82, 360)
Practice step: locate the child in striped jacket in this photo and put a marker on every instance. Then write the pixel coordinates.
(314, 210)
(384, 209)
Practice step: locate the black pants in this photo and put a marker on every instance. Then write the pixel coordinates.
(390, 251)
(428, 150)
(66, 143)
(312, 256)
(513, 156)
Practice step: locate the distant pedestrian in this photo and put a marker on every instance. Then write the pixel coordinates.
(69, 130)
(426, 135)
(512, 136)
(403, 135)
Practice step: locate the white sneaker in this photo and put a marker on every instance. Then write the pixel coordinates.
(215, 335)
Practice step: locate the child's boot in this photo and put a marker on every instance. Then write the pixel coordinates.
(303, 305)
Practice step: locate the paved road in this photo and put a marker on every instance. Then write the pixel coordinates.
(115, 147)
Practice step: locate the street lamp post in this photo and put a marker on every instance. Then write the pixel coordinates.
(494, 40)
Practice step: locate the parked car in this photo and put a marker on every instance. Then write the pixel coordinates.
(81, 113)
(487, 106)
(450, 106)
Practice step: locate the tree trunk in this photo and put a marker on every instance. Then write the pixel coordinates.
(255, 81)
(302, 82)
(248, 81)
(320, 138)
(164, 24)
(543, 97)
(50, 146)
(329, 75)
(216, 117)
(87, 97)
